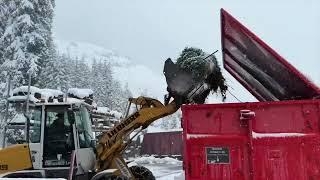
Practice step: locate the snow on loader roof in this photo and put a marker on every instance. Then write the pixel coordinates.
(80, 93)
(53, 96)
(35, 94)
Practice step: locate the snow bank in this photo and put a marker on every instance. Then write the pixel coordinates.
(179, 176)
(107, 111)
(266, 135)
(81, 93)
(154, 160)
(173, 176)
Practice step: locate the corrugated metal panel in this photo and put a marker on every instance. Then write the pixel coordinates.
(261, 70)
(162, 144)
(279, 140)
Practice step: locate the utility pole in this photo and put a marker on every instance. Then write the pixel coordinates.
(27, 126)
(7, 112)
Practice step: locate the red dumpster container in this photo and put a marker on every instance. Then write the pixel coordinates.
(162, 144)
(263, 140)
(272, 140)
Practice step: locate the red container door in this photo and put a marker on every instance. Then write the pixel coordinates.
(286, 141)
(252, 141)
(216, 147)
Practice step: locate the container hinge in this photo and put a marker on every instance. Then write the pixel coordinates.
(246, 115)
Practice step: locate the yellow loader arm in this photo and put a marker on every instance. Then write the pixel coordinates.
(110, 145)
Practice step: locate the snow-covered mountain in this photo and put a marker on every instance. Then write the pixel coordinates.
(89, 52)
(140, 78)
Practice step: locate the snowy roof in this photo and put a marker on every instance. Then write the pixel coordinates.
(35, 95)
(52, 92)
(108, 111)
(80, 93)
(42, 96)
(33, 89)
(23, 98)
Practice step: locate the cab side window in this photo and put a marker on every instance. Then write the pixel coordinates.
(81, 119)
(35, 125)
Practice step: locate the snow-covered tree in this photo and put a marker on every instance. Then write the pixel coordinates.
(55, 74)
(26, 39)
(171, 122)
(4, 12)
(83, 72)
(72, 65)
(107, 91)
(99, 84)
(117, 97)
(25, 43)
(126, 94)
(144, 92)
(79, 73)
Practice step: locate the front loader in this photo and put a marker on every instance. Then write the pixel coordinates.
(70, 152)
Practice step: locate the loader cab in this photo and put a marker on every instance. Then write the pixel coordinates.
(66, 129)
(58, 129)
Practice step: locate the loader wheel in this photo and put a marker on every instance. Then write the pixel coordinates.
(114, 177)
(141, 173)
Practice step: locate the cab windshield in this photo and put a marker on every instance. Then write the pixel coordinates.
(83, 124)
(60, 139)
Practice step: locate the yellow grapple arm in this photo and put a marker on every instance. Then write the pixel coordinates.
(110, 145)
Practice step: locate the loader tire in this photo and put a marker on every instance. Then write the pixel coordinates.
(114, 177)
(141, 173)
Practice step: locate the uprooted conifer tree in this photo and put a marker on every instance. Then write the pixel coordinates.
(195, 61)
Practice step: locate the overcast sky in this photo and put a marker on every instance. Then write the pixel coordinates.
(149, 31)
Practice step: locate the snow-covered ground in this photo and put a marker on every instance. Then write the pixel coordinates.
(162, 168)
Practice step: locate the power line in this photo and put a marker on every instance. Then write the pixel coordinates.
(234, 96)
